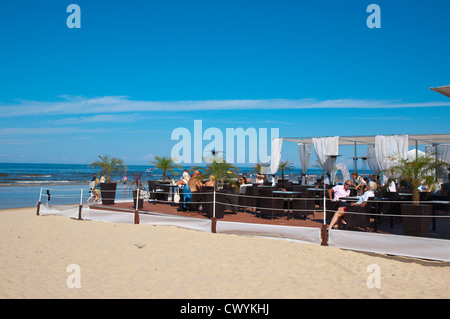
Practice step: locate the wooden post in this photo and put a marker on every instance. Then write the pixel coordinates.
(136, 217)
(324, 235)
(136, 211)
(39, 203)
(213, 225)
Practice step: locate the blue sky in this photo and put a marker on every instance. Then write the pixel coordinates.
(137, 70)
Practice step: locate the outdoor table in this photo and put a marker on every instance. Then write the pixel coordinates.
(287, 197)
(319, 191)
(171, 188)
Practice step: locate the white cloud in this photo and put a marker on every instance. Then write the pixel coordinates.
(109, 105)
(100, 118)
(16, 141)
(50, 130)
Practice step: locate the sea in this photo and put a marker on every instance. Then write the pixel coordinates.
(22, 185)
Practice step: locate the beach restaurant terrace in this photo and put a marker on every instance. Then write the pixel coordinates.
(289, 210)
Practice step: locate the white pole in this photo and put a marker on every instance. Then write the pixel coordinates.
(137, 199)
(324, 206)
(214, 202)
(81, 204)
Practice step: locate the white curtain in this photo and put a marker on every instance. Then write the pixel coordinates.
(389, 145)
(304, 150)
(442, 151)
(344, 170)
(443, 154)
(326, 149)
(275, 157)
(372, 159)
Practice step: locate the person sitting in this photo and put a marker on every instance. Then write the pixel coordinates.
(362, 201)
(423, 187)
(365, 186)
(446, 186)
(211, 182)
(195, 185)
(259, 179)
(340, 191)
(194, 182)
(186, 191)
(244, 178)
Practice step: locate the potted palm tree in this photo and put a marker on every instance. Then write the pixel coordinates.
(259, 168)
(285, 166)
(422, 169)
(108, 165)
(166, 164)
(224, 173)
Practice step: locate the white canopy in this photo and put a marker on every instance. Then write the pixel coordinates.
(327, 149)
(387, 146)
(421, 139)
(379, 148)
(444, 90)
(276, 154)
(304, 151)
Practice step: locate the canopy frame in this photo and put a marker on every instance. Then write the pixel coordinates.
(413, 139)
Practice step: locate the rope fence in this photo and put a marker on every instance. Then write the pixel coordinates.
(150, 196)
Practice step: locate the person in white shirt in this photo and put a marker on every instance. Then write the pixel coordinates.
(259, 179)
(362, 201)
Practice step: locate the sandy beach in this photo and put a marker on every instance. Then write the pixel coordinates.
(142, 261)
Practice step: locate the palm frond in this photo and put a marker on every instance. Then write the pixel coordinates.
(422, 169)
(109, 165)
(166, 164)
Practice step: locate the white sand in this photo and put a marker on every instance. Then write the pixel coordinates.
(177, 263)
